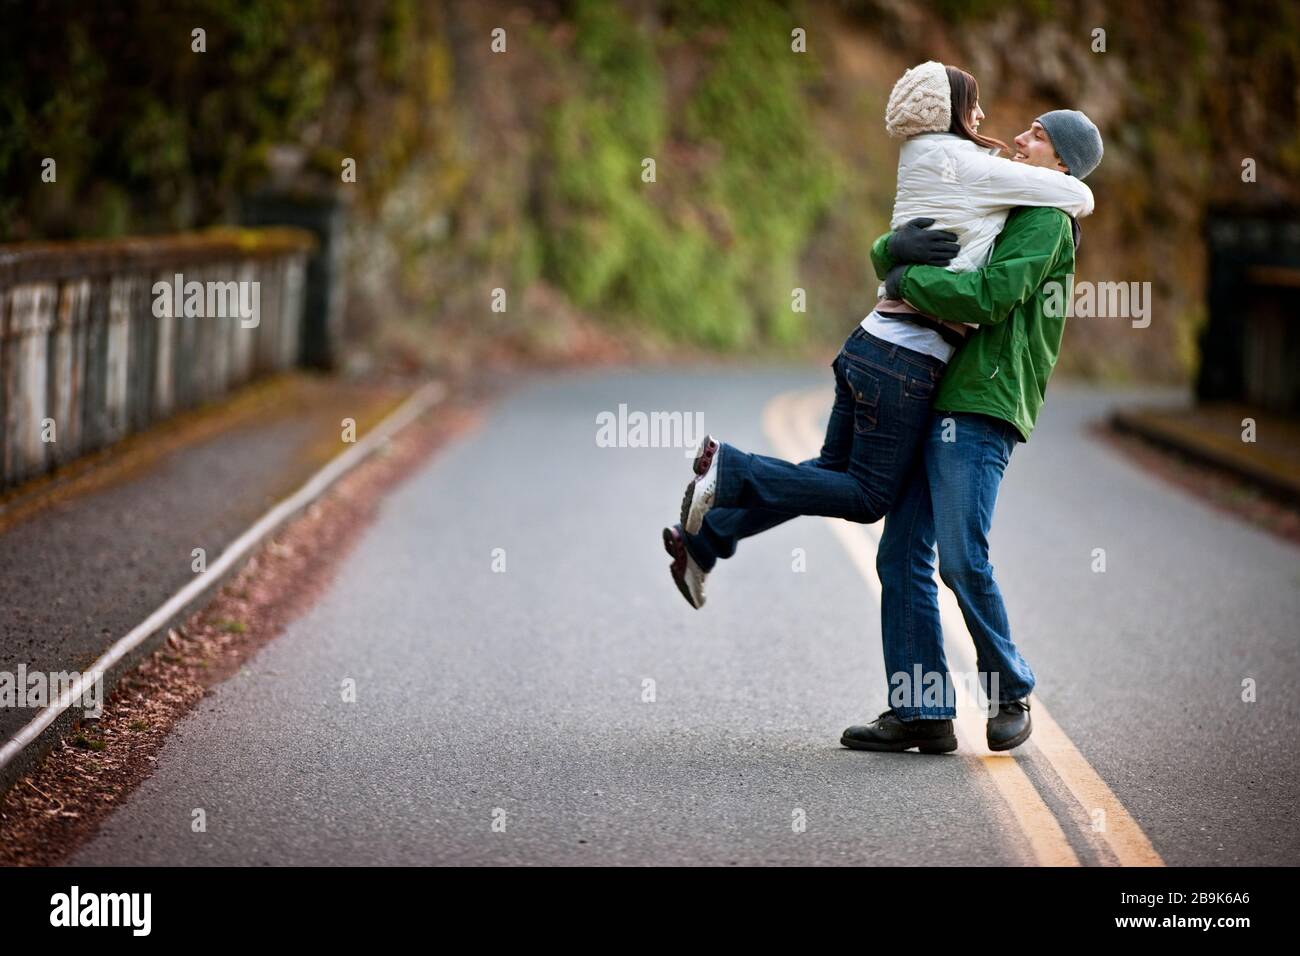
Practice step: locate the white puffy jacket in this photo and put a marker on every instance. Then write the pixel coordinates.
(969, 190)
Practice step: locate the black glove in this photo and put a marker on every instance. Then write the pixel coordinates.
(917, 243)
(893, 278)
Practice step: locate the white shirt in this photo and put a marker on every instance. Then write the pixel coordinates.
(965, 189)
(909, 335)
(968, 190)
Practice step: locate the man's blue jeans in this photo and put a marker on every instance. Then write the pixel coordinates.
(948, 502)
(881, 411)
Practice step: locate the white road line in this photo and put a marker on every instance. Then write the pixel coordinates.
(423, 399)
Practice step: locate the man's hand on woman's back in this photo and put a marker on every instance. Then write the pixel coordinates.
(915, 243)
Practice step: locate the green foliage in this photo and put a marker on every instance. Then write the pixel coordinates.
(771, 169)
(683, 284)
(708, 252)
(774, 179)
(116, 94)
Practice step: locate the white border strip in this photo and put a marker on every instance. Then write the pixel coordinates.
(424, 398)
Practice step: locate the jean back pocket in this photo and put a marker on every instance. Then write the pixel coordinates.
(866, 396)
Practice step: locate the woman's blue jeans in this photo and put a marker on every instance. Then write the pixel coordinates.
(882, 408)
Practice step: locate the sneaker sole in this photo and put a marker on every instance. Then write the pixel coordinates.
(677, 551)
(693, 517)
(687, 498)
(670, 543)
(933, 745)
(703, 460)
(704, 457)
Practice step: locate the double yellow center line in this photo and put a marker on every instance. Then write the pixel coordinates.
(1093, 813)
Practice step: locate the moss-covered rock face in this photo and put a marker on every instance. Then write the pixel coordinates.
(527, 169)
(701, 247)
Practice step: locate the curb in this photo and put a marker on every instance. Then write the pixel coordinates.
(57, 718)
(1149, 426)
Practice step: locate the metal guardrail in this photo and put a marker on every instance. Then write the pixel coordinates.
(85, 358)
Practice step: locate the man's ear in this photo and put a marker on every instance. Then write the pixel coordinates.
(1061, 165)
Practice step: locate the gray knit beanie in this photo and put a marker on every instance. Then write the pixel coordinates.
(1075, 138)
(921, 101)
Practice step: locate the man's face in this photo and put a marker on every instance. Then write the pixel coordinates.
(1034, 147)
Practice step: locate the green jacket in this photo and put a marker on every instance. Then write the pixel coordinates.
(1003, 368)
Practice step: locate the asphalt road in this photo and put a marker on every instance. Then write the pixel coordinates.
(84, 570)
(517, 697)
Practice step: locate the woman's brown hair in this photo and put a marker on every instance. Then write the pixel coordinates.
(965, 94)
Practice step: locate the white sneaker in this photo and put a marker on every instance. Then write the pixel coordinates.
(687, 575)
(703, 488)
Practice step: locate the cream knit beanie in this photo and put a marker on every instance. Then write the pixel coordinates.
(921, 102)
